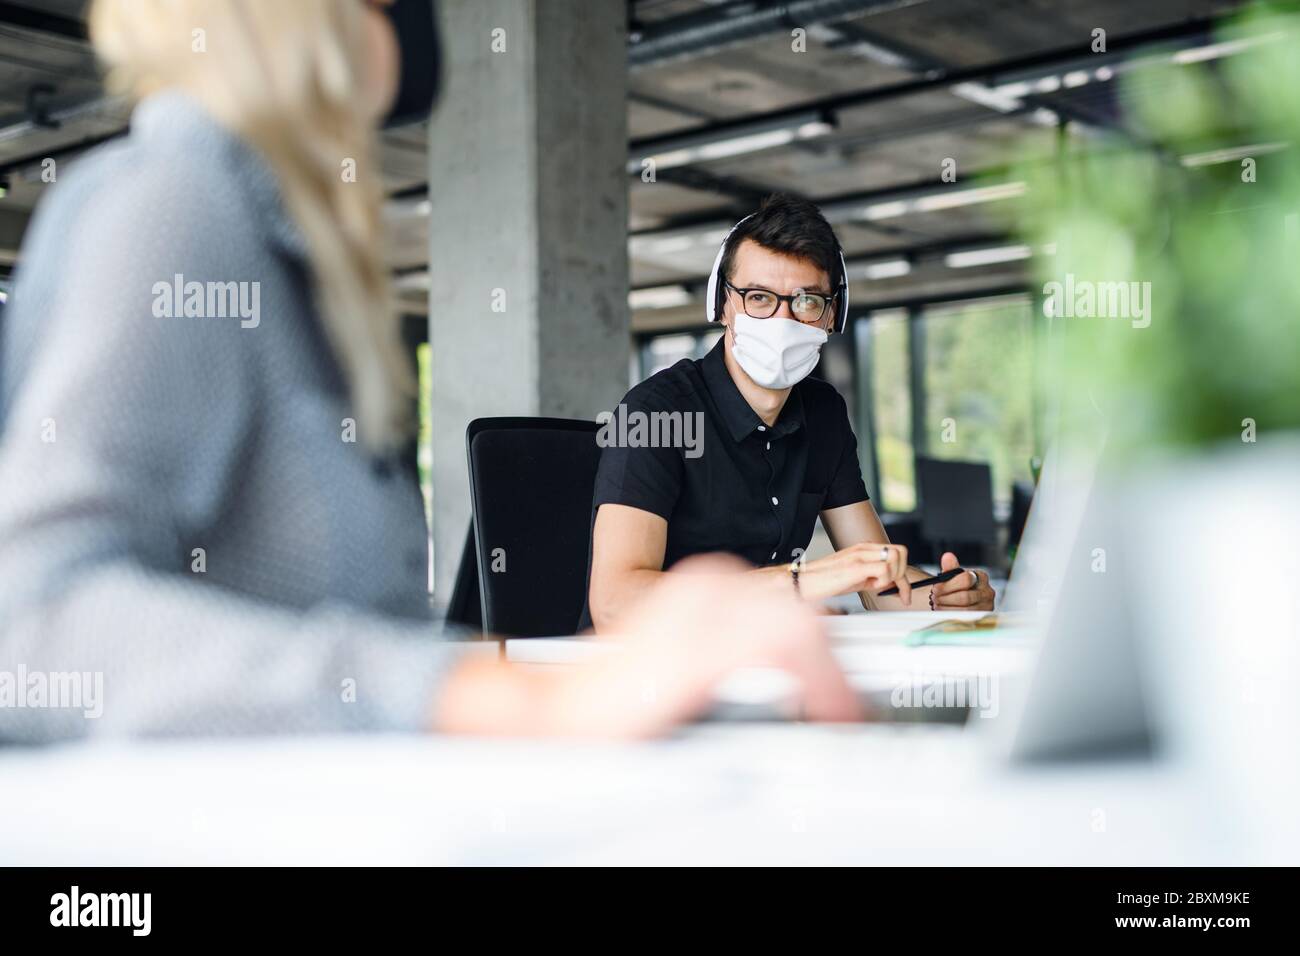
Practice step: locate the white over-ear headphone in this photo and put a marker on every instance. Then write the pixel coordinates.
(714, 292)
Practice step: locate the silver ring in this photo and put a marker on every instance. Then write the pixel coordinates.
(974, 579)
(884, 553)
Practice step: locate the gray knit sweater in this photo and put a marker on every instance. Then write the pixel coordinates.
(181, 517)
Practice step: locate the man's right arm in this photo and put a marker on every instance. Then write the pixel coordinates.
(627, 558)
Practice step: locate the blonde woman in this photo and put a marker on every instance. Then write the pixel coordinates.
(201, 321)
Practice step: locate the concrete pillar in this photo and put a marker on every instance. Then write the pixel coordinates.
(527, 254)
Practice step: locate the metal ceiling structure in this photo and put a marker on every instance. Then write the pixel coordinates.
(853, 103)
(718, 27)
(888, 93)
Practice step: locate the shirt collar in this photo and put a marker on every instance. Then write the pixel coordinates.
(177, 117)
(741, 420)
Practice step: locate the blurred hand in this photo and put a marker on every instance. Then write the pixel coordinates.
(862, 567)
(702, 621)
(965, 592)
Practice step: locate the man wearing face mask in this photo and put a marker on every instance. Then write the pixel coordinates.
(776, 448)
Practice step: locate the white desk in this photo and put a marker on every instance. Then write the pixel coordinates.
(715, 793)
(863, 643)
(722, 794)
(869, 647)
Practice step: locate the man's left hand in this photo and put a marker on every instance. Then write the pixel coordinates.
(968, 591)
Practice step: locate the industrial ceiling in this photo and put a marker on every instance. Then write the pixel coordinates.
(860, 105)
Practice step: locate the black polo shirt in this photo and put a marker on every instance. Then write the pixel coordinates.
(752, 490)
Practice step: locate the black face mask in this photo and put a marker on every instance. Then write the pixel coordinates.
(415, 23)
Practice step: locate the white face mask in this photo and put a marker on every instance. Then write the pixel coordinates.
(775, 352)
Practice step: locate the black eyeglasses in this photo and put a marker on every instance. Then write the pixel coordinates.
(804, 306)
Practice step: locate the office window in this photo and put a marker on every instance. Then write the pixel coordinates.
(890, 390)
(706, 342)
(978, 388)
(662, 351)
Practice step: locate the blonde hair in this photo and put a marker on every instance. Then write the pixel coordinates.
(285, 76)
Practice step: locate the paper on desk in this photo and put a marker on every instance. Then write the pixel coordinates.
(896, 645)
(890, 627)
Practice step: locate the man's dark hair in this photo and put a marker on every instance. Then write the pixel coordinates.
(792, 227)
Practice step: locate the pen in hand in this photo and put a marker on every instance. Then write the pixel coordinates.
(926, 582)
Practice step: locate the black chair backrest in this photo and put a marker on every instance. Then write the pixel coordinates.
(956, 501)
(531, 482)
(466, 605)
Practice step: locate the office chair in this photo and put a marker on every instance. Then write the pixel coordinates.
(956, 503)
(1022, 497)
(531, 482)
(465, 607)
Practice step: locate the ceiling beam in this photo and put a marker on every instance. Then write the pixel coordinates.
(916, 254)
(40, 21)
(922, 64)
(1118, 48)
(725, 25)
(11, 166)
(746, 192)
(721, 218)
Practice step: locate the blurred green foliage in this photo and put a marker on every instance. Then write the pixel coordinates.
(979, 374)
(892, 405)
(1219, 243)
